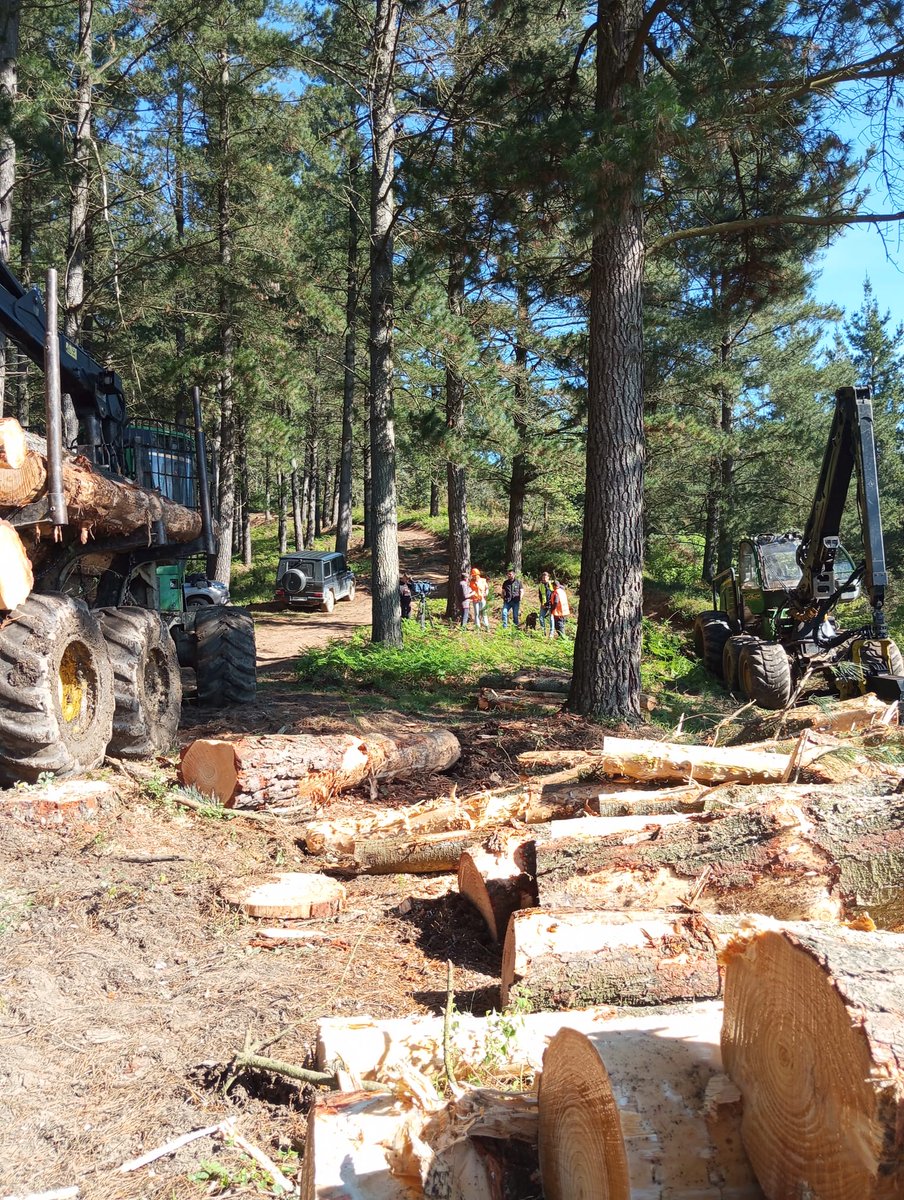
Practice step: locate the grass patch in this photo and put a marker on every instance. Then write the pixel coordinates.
(436, 667)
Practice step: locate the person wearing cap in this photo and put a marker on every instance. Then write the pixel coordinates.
(511, 598)
(479, 592)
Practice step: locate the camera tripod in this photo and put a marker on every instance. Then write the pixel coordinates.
(424, 615)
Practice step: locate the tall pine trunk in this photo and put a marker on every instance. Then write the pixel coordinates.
(386, 616)
(25, 210)
(9, 58)
(226, 482)
(344, 521)
(79, 192)
(456, 480)
(434, 498)
(606, 678)
(282, 511)
(297, 516)
(368, 475)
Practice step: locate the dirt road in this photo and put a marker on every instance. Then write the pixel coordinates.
(282, 636)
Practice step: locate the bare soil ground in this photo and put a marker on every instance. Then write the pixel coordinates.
(127, 984)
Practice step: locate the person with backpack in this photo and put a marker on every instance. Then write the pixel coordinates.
(511, 598)
(558, 609)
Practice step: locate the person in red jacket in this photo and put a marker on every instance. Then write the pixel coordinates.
(558, 609)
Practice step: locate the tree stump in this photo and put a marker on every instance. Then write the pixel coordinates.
(290, 895)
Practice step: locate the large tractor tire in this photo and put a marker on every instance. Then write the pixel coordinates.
(731, 658)
(764, 672)
(146, 681)
(711, 632)
(56, 690)
(225, 656)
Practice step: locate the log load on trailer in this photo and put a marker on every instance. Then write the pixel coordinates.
(97, 520)
(772, 633)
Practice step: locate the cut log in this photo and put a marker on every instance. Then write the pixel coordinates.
(503, 1046)
(644, 1115)
(515, 701)
(411, 749)
(810, 853)
(63, 803)
(285, 769)
(636, 758)
(97, 504)
(365, 1147)
(814, 1039)
(573, 958)
(497, 885)
(287, 894)
(653, 802)
(13, 447)
(534, 802)
(443, 851)
(16, 575)
(843, 716)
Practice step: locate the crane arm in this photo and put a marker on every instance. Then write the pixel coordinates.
(850, 449)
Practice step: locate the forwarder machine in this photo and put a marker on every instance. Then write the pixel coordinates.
(90, 661)
(773, 633)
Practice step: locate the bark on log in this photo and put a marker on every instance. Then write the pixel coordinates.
(813, 1039)
(285, 769)
(636, 758)
(100, 506)
(505, 1046)
(497, 885)
(515, 701)
(16, 575)
(642, 1116)
(808, 853)
(367, 1147)
(653, 803)
(13, 447)
(844, 716)
(574, 958)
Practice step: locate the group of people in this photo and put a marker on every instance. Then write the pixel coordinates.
(474, 594)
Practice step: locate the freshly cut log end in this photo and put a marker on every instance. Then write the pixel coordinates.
(16, 575)
(813, 1039)
(211, 766)
(628, 1115)
(571, 959)
(13, 447)
(290, 894)
(497, 886)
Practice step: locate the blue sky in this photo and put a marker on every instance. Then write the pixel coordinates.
(858, 252)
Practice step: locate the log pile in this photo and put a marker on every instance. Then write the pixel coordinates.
(641, 897)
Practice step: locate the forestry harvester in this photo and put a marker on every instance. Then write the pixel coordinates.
(772, 633)
(97, 520)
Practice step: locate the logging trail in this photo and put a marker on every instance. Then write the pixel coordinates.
(282, 636)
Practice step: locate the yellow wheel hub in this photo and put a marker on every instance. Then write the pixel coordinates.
(72, 683)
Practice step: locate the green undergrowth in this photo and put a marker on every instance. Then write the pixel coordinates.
(438, 667)
(685, 694)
